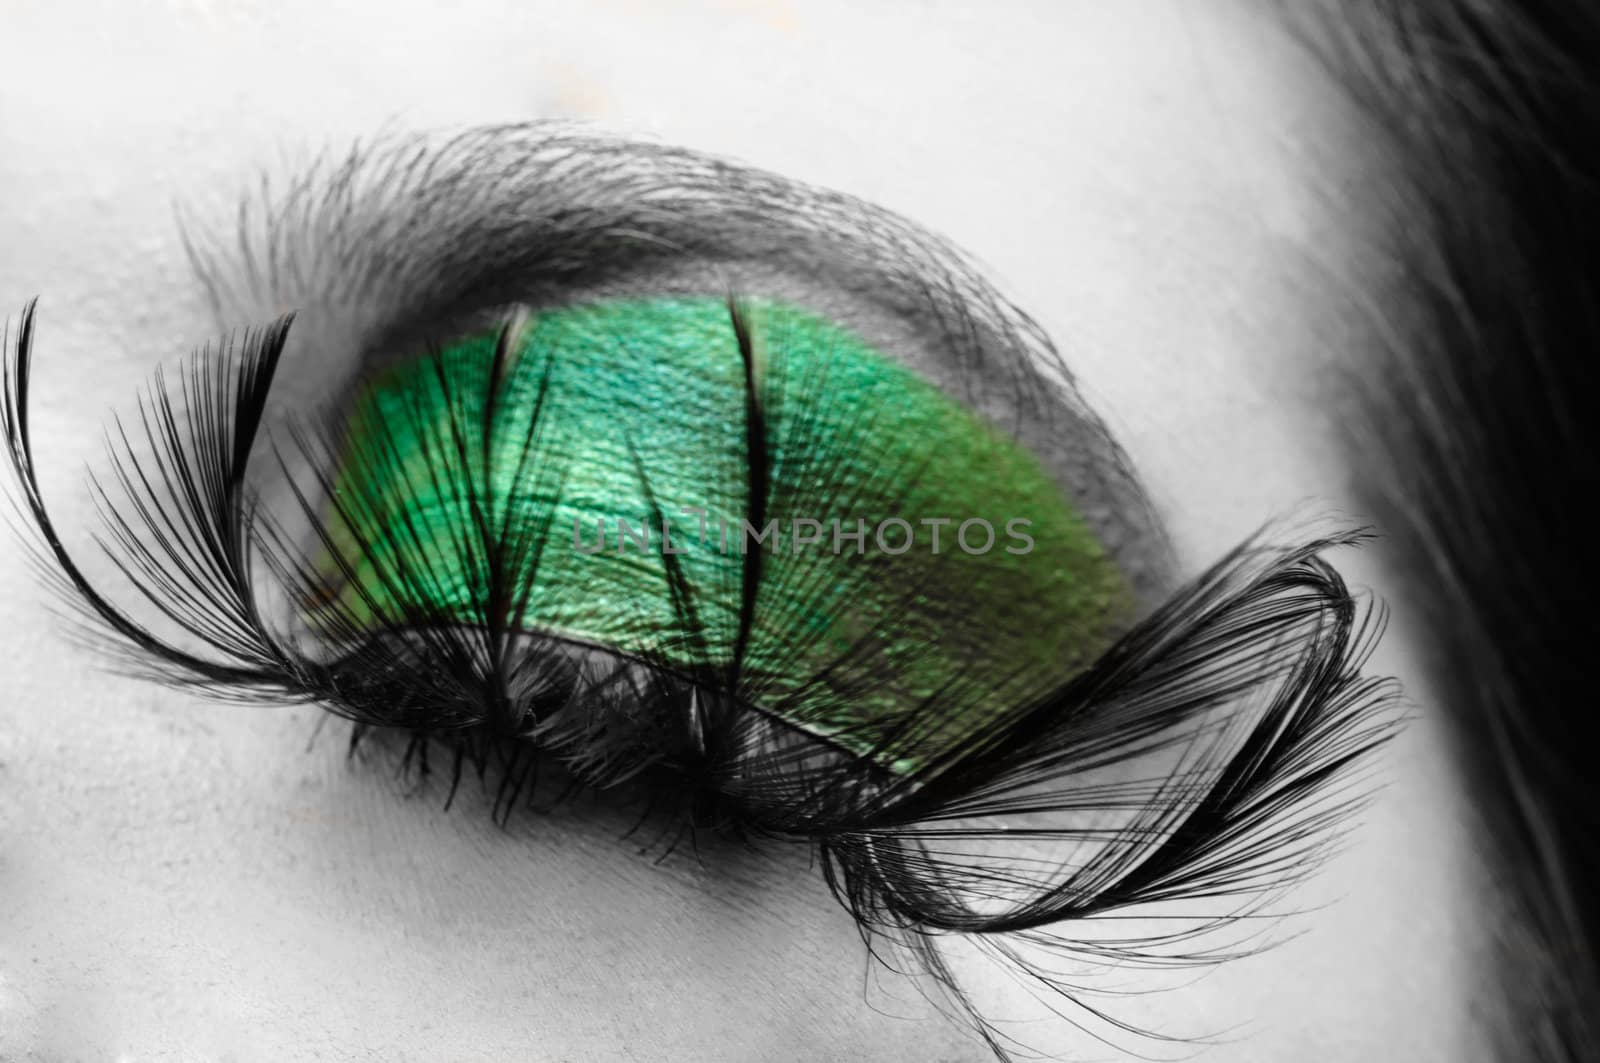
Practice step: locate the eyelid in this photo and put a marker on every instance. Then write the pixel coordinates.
(1270, 638)
(405, 239)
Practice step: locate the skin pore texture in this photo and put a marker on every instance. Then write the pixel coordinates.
(612, 419)
(1179, 194)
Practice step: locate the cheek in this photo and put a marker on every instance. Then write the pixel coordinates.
(187, 878)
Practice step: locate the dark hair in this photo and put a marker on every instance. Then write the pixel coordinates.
(1476, 447)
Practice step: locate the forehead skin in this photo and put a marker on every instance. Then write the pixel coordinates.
(1175, 190)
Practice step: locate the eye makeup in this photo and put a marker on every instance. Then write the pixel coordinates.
(1012, 744)
(887, 512)
(410, 240)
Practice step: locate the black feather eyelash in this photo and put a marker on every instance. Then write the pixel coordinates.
(1241, 698)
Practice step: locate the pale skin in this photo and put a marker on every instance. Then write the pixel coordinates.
(1178, 192)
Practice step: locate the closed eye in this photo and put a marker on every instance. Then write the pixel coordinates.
(527, 328)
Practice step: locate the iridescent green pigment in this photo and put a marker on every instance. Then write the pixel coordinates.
(846, 639)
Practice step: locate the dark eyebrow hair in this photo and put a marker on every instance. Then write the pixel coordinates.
(1478, 436)
(407, 234)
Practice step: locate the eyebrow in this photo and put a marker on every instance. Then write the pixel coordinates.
(400, 237)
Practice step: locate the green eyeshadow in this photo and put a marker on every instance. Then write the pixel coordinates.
(629, 410)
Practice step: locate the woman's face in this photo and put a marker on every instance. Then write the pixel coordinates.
(1179, 193)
